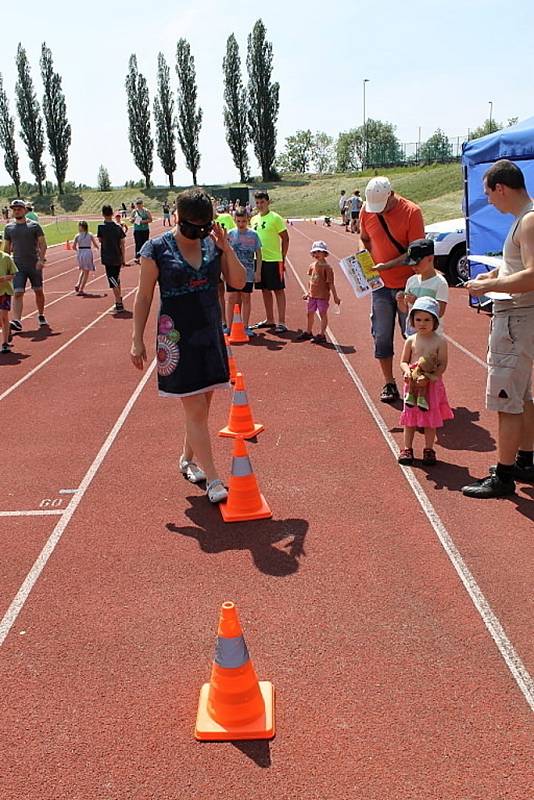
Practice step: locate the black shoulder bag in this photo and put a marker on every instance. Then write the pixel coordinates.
(390, 236)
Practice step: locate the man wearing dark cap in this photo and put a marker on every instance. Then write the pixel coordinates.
(24, 239)
(388, 223)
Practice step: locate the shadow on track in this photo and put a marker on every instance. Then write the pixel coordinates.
(215, 536)
(260, 340)
(259, 752)
(461, 433)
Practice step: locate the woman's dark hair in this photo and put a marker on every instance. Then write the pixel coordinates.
(83, 225)
(107, 211)
(261, 195)
(435, 320)
(505, 172)
(194, 205)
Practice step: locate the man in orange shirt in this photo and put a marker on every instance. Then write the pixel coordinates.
(388, 223)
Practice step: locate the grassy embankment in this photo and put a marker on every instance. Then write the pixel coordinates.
(438, 189)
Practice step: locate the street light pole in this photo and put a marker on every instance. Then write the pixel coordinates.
(364, 162)
(491, 114)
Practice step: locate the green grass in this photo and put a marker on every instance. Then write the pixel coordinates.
(438, 189)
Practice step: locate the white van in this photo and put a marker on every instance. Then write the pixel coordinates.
(450, 249)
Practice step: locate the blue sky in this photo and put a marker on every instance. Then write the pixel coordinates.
(429, 65)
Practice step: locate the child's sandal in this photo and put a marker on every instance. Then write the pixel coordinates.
(406, 456)
(192, 471)
(429, 457)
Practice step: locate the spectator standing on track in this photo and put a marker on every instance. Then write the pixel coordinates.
(30, 213)
(343, 201)
(388, 223)
(7, 270)
(191, 351)
(166, 214)
(356, 204)
(247, 247)
(320, 286)
(429, 409)
(83, 245)
(111, 237)
(426, 282)
(274, 239)
(141, 219)
(511, 340)
(25, 240)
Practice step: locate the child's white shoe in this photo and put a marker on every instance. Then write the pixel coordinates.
(192, 471)
(216, 491)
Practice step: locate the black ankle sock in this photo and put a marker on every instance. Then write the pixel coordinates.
(505, 472)
(524, 458)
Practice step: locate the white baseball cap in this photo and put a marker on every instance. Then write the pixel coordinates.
(319, 247)
(377, 192)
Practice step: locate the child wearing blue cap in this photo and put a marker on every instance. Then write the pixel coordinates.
(423, 362)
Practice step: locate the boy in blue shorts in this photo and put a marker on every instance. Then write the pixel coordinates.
(247, 247)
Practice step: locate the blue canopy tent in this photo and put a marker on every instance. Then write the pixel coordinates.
(486, 228)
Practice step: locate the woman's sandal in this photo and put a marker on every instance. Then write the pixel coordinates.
(216, 491)
(192, 471)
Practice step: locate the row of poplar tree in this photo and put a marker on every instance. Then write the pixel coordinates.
(250, 113)
(58, 131)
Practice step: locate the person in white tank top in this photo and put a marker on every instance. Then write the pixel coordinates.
(511, 341)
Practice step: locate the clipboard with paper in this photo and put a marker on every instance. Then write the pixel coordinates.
(360, 272)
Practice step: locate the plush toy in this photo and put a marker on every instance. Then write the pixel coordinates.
(420, 374)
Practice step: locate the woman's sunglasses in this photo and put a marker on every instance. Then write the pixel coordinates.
(192, 231)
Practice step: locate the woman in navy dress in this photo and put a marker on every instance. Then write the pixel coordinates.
(191, 353)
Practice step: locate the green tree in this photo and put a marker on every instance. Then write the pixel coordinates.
(380, 144)
(165, 120)
(189, 117)
(349, 150)
(322, 152)
(436, 148)
(141, 142)
(31, 124)
(103, 180)
(488, 126)
(263, 100)
(58, 129)
(235, 110)
(7, 139)
(298, 153)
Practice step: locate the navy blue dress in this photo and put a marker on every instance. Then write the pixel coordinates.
(191, 351)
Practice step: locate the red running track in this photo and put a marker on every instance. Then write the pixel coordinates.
(389, 683)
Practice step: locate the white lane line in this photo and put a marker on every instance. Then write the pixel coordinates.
(17, 605)
(449, 338)
(491, 621)
(68, 491)
(59, 350)
(36, 513)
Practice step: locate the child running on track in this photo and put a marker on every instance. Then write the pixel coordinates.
(320, 285)
(247, 246)
(83, 244)
(7, 270)
(425, 399)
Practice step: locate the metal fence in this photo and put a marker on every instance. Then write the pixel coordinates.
(414, 153)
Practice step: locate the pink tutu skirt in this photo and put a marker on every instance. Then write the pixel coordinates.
(439, 409)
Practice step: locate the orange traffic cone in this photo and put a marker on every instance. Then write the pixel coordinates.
(234, 705)
(67, 245)
(237, 331)
(240, 421)
(245, 502)
(231, 360)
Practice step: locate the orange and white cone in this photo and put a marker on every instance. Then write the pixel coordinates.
(238, 335)
(231, 360)
(67, 245)
(245, 501)
(240, 421)
(234, 705)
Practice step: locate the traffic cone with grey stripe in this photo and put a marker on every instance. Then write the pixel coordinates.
(240, 421)
(238, 335)
(234, 705)
(231, 360)
(245, 501)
